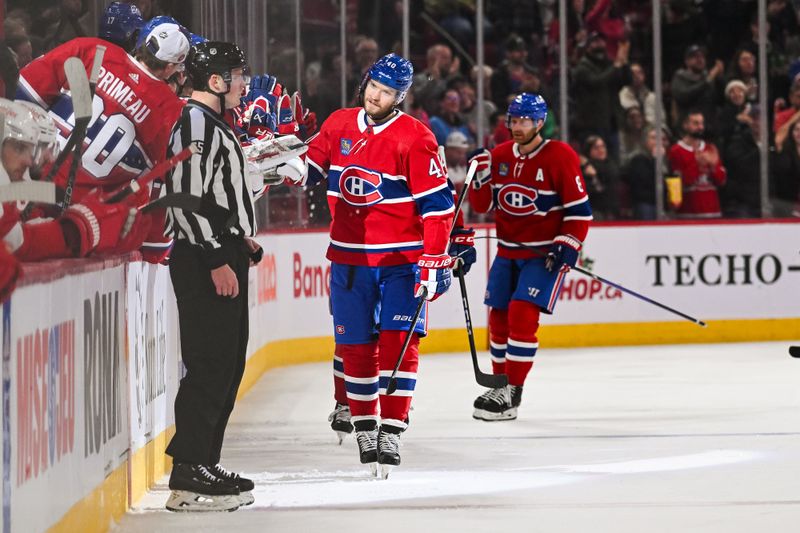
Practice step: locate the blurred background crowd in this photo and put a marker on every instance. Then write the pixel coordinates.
(710, 84)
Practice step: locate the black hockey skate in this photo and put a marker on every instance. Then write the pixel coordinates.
(498, 404)
(196, 488)
(367, 440)
(388, 449)
(340, 421)
(244, 484)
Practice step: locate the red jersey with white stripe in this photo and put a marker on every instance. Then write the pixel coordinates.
(700, 181)
(387, 189)
(133, 113)
(536, 197)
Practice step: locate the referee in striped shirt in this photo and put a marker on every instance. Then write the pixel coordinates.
(208, 267)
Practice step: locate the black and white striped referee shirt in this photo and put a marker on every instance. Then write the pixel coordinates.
(217, 174)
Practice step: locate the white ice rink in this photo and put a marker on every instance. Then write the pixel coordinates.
(695, 438)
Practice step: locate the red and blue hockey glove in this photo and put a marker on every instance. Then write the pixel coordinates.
(483, 174)
(306, 119)
(563, 253)
(287, 125)
(261, 105)
(433, 273)
(462, 248)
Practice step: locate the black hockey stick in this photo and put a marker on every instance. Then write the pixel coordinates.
(609, 282)
(794, 351)
(218, 216)
(491, 381)
(392, 386)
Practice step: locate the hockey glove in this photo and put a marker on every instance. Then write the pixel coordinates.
(563, 253)
(94, 226)
(433, 273)
(483, 174)
(306, 120)
(287, 125)
(294, 171)
(462, 248)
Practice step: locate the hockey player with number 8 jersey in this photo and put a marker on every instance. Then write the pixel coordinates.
(537, 192)
(392, 210)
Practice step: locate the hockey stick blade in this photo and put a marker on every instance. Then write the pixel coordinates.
(155, 172)
(794, 351)
(28, 191)
(79, 89)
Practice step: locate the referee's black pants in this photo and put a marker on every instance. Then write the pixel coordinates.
(214, 331)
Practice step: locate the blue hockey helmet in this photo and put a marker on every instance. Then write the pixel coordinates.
(527, 105)
(196, 39)
(148, 26)
(119, 22)
(393, 71)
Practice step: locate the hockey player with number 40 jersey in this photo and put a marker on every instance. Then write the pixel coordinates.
(539, 197)
(392, 211)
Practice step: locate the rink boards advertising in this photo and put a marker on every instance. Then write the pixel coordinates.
(91, 358)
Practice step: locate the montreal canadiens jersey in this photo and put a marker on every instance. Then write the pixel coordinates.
(536, 197)
(132, 113)
(387, 189)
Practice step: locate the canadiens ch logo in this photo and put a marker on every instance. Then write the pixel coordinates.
(345, 145)
(517, 200)
(359, 186)
(502, 169)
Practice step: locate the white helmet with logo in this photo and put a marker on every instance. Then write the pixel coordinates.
(47, 145)
(18, 124)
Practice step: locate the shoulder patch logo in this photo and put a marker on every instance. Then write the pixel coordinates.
(502, 169)
(345, 145)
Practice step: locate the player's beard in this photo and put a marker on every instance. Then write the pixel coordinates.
(378, 118)
(529, 139)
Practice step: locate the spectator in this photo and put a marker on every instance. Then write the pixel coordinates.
(786, 174)
(415, 109)
(640, 175)
(784, 115)
(449, 118)
(637, 93)
(455, 155)
(20, 44)
(740, 155)
(602, 179)
(693, 87)
(743, 68)
(605, 19)
(596, 85)
(469, 108)
(631, 136)
(682, 27)
(500, 132)
(67, 21)
(366, 53)
(700, 168)
(432, 82)
(508, 76)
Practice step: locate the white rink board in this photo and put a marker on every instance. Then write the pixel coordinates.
(715, 271)
(65, 368)
(711, 271)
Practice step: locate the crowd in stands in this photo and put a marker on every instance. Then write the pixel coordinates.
(710, 84)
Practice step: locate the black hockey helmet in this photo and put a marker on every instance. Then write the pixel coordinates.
(214, 57)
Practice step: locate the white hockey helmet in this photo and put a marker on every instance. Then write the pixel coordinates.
(47, 145)
(18, 123)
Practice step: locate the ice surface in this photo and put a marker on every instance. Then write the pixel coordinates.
(696, 438)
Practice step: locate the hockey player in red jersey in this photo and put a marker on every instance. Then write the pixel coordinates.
(90, 226)
(392, 210)
(539, 197)
(133, 109)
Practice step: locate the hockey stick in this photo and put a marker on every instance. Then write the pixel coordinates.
(392, 385)
(155, 172)
(82, 89)
(794, 351)
(188, 202)
(491, 381)
(608, 282)
(28, 191)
